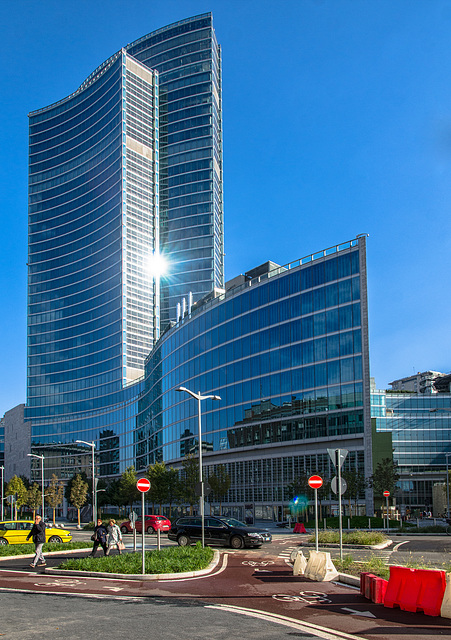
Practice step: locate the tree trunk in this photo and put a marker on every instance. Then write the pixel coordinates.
(79, 517)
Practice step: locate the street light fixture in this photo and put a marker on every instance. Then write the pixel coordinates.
(94, 492)
(2, 469)
(199, 398)
(41, 458)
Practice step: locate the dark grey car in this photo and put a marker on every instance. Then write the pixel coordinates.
(227, 532)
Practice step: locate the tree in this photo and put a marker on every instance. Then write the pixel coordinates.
(220, 483)
(55, 494)
(356, 482)
(34, 497)
(173, 487)
(68, 487)
(113, 494)
(78, 493)
(384, 478)
(127, 487)
(189, 479)
(157, 474)
(16, 487)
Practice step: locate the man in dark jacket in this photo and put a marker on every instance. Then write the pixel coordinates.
(38, 534)
(99, 537)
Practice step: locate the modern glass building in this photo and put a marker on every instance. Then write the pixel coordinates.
(98, 160)
(420, 425)
(287, 352)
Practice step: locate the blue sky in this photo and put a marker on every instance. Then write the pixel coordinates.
(337, 121)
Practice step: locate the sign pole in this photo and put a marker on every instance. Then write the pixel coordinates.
(316, 519)
(143, 517)
(340, 520)
(387, 495)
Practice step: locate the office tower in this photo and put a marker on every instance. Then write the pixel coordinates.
(94, 224)
(188, 60)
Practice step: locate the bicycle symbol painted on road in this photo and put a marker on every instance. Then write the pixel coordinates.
(253, 563)
(307, 597)
(60, 583)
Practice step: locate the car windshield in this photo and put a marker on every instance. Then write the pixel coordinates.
(233, 523)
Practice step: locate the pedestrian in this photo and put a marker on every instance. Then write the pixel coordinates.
(99, 536)
(114, 537)
(38, 533)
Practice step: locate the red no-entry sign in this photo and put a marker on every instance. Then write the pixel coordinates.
(386, 494)
(315, 482)
(143, 485)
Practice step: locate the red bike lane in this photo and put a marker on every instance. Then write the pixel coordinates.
(245, 581)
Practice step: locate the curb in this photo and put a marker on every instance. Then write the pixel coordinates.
(138, 576)
(48, 553)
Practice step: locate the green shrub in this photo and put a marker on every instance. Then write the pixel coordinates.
(355, 537)
(169, 560)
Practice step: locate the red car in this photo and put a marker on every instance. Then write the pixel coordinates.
(152, 524)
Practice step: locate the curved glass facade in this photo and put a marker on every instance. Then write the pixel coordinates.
(188, 60)
(287, 353)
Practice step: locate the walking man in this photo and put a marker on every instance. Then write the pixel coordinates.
(38, 534)
(100, 536)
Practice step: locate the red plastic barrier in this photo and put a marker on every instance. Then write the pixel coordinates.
(378, 590)
(299, 528)
(415, 590)
(363, 581)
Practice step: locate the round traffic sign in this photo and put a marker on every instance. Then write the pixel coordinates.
(315, 482)
(386, 494)
(143, 485)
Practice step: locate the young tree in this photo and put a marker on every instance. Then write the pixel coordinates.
(78, 493)
(157, 474)
(173, 487)
(127, 485)
(34, 497)
(16, 487)
(55, 494)
(189, 479)
(356, 485)
(220, 483)
(385, 477)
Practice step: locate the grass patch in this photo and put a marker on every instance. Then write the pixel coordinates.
(355, 537)
(22, 549)
(357, 522)
(169, 560)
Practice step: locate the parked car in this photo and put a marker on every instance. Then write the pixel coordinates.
(152, 524)
(218, 531)
(16, 531)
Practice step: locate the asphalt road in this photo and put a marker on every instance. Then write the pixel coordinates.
(246, 583)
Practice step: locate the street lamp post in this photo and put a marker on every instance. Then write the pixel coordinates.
(94, 492)
(199, 398)
(2, 469)
(41, 458)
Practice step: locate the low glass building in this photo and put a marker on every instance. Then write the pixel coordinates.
(420, 426)
(287, 352)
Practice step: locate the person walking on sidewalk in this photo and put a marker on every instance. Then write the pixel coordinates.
(38, 533)
(100, 537)
(114, 537)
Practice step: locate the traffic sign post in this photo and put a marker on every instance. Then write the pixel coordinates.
(386, 496)
(315, 482)
(143, 485)
(338, 456)
(133, 516)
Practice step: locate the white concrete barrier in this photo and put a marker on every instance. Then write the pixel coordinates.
(300, 563)
(445, 610)
(320, 567)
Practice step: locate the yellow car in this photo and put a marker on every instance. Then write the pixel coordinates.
(16, 531)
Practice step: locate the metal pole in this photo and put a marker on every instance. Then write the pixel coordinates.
(316, 519)
(388, 522)
(447, 485)
(42, 485)
(94, 493)
(200, 469)
(143, 519)
(340, 521)
(3, 497)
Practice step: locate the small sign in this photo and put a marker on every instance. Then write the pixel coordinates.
(386, 494)
(334, 485)
(133, 516)
(315, 482)
(198, 489)
(143, 485)
(338, 456)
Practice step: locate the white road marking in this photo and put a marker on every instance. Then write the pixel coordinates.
(396, 547)
(208, 575)
(305, 627)
(365, 614)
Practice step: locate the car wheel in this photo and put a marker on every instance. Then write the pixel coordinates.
(236, 542)
(150, 529)
(55, 539)
(124, 529)
(183, 541)
(3, 541)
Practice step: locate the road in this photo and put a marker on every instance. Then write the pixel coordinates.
(245, 581)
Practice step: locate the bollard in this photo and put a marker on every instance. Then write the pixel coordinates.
(369, 524)
(349, 524)
(324, 524)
